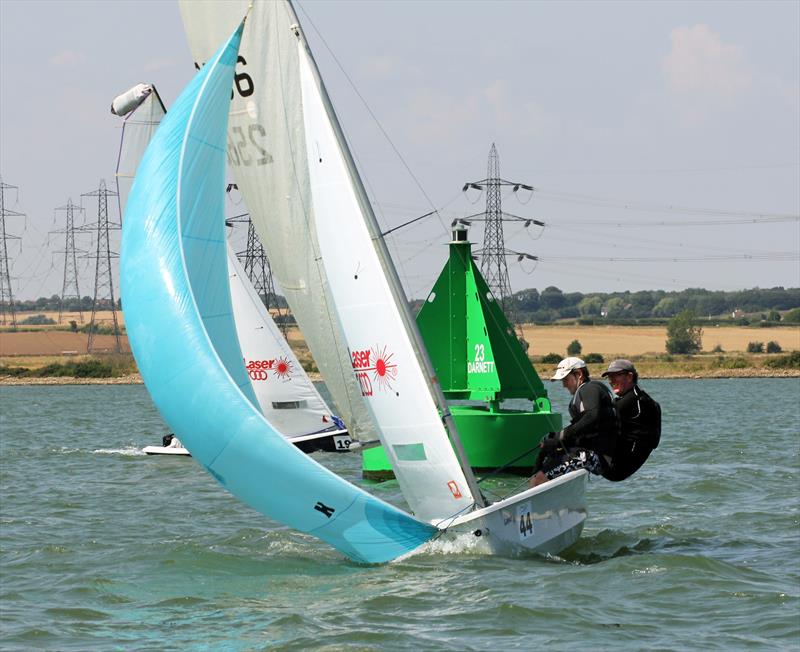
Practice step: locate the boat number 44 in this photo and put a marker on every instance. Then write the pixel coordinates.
(525, 520)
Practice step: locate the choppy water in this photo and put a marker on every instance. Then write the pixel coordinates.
(102, 547)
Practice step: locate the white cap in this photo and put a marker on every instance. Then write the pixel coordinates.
(566, 366)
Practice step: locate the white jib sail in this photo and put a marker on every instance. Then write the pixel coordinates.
(285, 393)
(143, 111)
(266, 154)
(392, 382)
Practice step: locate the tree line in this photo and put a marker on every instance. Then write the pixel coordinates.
(551, 304)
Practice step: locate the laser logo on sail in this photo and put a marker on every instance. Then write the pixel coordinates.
(259, 369)
(374, 368)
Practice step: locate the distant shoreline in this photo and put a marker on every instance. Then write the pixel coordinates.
(136, 379)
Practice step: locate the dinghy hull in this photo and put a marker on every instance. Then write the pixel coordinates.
(546, 519)
(165, 450)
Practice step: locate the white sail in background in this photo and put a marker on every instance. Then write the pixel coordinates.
(143, 111)
(266, 152)
(285, 393)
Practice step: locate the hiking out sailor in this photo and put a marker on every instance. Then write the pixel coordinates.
(589, 440)
(171, 441)
(640, 421)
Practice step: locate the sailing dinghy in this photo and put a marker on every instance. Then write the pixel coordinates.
(284, 391)
(296, 173)
(182, 331)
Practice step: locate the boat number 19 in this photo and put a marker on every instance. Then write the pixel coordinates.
(525, 520)
(342, 442)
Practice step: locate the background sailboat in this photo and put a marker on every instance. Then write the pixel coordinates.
(284, 391)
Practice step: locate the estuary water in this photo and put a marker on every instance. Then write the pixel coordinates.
(103, 548)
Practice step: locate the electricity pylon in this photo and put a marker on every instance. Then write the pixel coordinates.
(69, 288)
(493, 263)
(103, 280)
(8, 314)
(259, 271)
(256, 264)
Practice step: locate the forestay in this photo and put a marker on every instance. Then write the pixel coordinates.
(182, 335)
(266, 152)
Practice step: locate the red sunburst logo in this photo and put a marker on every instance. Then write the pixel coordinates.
(384, 370)
(283, 368)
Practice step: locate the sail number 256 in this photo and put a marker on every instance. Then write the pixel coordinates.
(245, 143)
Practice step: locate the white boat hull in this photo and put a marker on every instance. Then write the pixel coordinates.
(546, 519)
(165, 450)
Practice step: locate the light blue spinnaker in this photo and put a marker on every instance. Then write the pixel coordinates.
(181, 329)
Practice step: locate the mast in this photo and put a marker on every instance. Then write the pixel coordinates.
(391, 274)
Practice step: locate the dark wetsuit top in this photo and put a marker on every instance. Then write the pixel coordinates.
(640, 433)
(594, 421)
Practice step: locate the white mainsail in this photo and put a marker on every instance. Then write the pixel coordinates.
(306, 179)
(393, 383)
(266, 152)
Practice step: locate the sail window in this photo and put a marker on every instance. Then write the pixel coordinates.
(410, 452)
(288, 405)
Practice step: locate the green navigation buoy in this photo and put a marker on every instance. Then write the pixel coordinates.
(497, 399)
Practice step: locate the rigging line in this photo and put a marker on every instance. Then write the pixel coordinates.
(368, 183)
(416, 208)
(369, 110)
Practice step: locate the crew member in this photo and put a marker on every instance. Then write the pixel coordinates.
(640, 421)
(588, 441)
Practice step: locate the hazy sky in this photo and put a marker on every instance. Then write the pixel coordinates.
(651, 130)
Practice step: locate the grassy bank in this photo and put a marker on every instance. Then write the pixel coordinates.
(701, 366)
(79, 367)
(116, 369)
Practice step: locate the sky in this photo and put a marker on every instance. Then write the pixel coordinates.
(662, 138)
